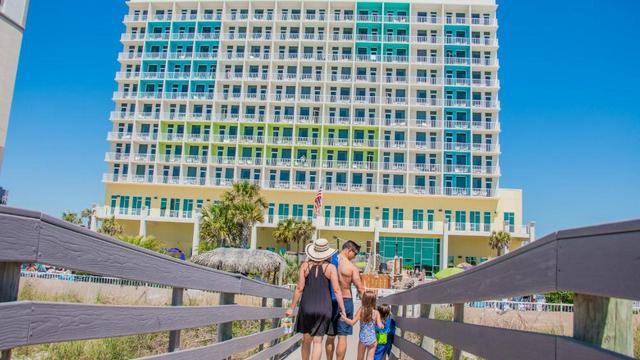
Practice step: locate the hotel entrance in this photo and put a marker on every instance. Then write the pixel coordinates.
(416, 252)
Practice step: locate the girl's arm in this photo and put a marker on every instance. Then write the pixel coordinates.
(333, 278)
(299, 288)
(379, 322)
(353, 321)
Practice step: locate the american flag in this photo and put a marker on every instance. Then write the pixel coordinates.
(317, 202)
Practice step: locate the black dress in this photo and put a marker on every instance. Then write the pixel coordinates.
(314, 315)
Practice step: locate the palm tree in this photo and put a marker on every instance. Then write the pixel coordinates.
(246, 207)
(290, 231)
(87, 214)
(217, 226)
(111, 227)
(499, 241)
(147, 242)
(71, 217)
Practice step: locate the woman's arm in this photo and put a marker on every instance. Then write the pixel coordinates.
(379, 322)
(333, 278)
(353, 321)
(299, 288)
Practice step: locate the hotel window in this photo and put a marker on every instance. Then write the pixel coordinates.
(398, 218)
(327, 215)
(418, 219)
(509, 221)
(461, 219)
(385, 217)
(474, 219)
(430, 219)
(309, 212)
(271, 212)
(366, 216)
(471, 260)
(298, 210)
(340, 215)
(354, 216)
(283, 211)
(124, 204)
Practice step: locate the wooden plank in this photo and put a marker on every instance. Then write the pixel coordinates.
(602, 229)
(55, 322)
(174, 335)
(70, 246)
(604, 322)
(458, 316)
(570, 349)
(18, 238)
(530, 269)
(481, 340)
(603, 265)
(277, 349)
(222, 350)
(412, 350)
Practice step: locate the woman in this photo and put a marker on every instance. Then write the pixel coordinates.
(317, 274)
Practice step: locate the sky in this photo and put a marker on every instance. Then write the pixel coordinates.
(569, 94)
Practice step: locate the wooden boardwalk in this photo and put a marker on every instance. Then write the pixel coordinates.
(352, 344)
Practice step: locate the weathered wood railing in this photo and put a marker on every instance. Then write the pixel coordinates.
(601, 264)
(29, 237)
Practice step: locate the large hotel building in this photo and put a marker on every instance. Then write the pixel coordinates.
(391, 107)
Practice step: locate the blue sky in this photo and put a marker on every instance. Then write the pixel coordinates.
(570, 108)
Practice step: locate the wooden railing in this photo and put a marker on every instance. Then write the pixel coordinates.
(30, 237)
(601, 264)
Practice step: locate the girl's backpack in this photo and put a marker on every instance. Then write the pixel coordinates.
(381, 338)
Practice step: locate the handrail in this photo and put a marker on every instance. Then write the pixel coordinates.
(29, 237)
(598, 263)
(35, 237)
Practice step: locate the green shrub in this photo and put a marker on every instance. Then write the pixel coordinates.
(565, 297)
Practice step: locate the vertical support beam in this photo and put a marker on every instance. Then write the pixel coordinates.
(174, 335)
(93, 220)
(263, 322)
(604, 322)
(427, 311)
(195, 242)
(225, 330)
(9, 285)
(444, 246)
(277, 303)
(532, 231)
(374, 247)
(143, 222)
(254, 237)
(458, 316)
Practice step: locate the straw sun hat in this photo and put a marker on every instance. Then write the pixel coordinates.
(319, 250)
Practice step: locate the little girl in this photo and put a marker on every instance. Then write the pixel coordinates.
(369, 319)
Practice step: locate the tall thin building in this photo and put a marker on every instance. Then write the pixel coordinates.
(13, 17)
(391, 108)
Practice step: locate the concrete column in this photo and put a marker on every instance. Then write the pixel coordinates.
(374, 246)
(254, 237)
(532, 231)
(195, 242)
(94, 220)
(143, 222)
(444, 246)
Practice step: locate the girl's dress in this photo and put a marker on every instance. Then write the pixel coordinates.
(368, 333)
(314, 315)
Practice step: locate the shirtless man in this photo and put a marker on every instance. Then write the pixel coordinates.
(347, 274)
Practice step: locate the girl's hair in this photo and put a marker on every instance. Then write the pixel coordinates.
(384, 311)
(368, 305)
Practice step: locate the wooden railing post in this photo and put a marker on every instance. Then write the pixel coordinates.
(458, 316)
(262, 322)
(9, 285)
(427, 312)
(174, 335)
(604, 322)
(225, 330)
(274, 323)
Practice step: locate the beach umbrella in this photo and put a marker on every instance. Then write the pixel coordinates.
(243, 261)
(447, 272)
